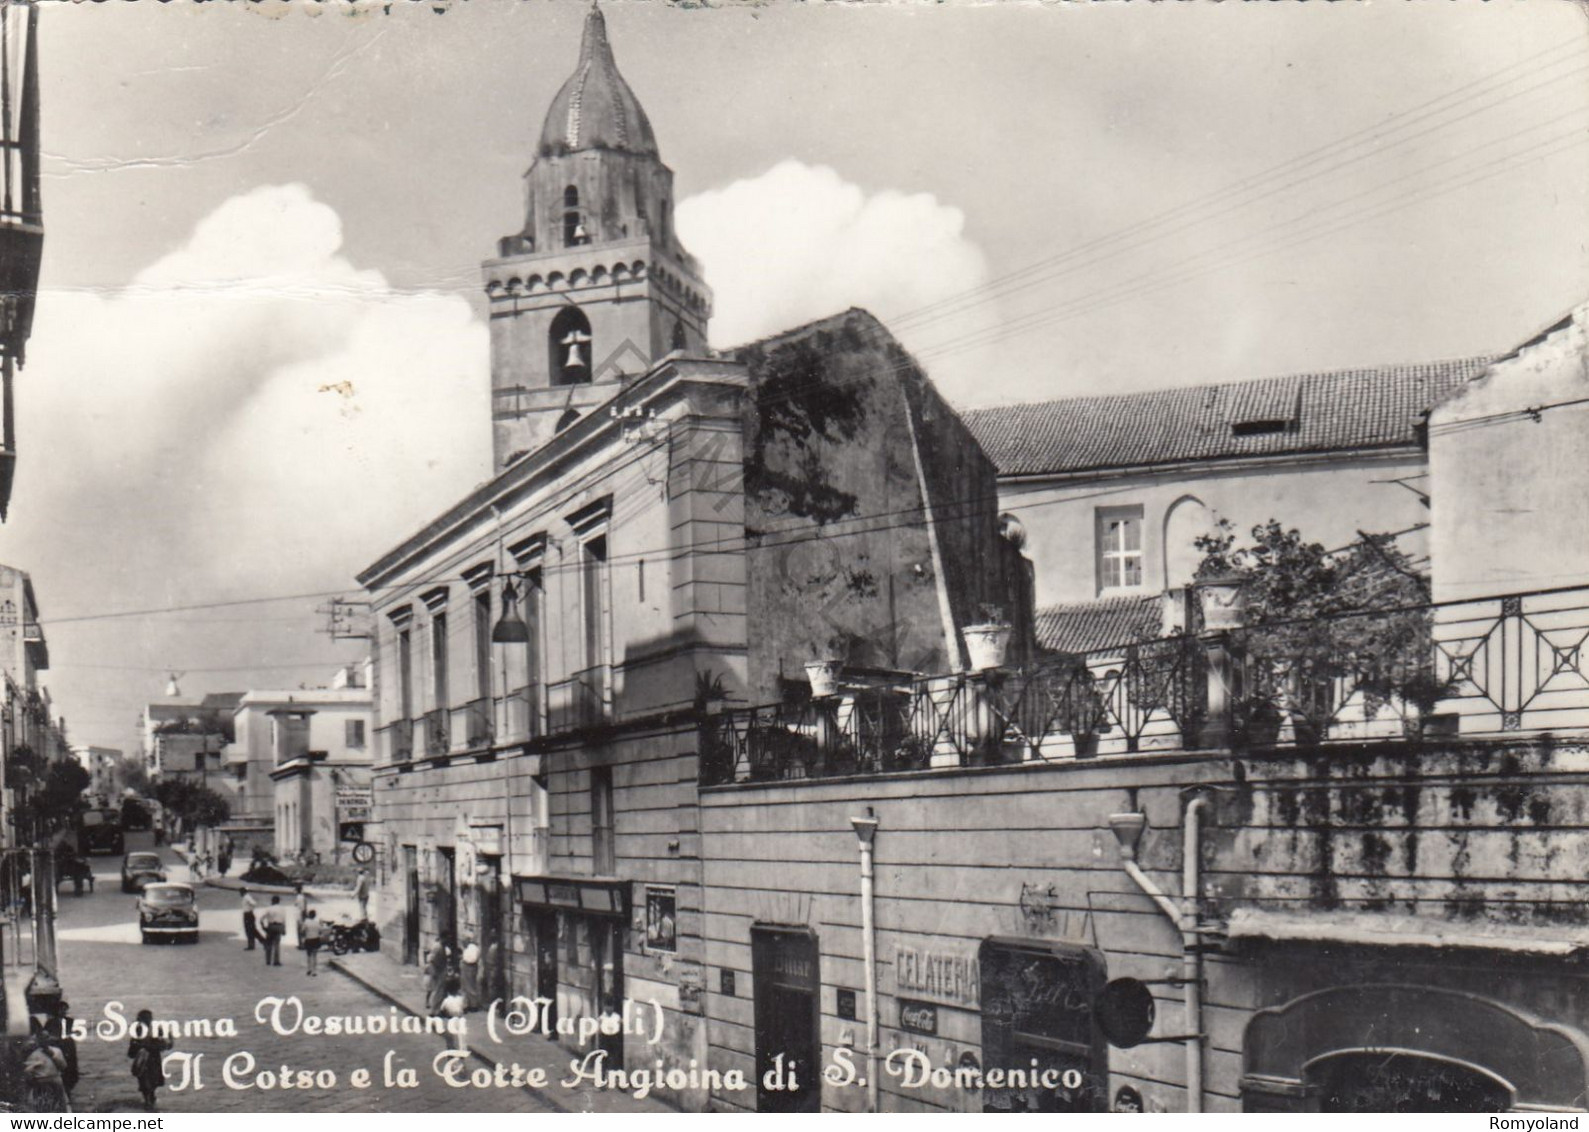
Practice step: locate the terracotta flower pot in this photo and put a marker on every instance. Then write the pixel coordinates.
(824, 676)
(987, 645)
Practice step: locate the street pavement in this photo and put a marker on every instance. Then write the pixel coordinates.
(103, 962)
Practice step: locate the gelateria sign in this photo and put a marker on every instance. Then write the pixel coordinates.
(941, 975)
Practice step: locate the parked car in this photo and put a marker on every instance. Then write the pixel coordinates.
(139, 869)
(170, 910)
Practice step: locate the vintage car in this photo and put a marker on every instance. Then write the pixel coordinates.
(139, 869)
(170, 910)
(100, 831)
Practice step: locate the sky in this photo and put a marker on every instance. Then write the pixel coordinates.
(260, 360)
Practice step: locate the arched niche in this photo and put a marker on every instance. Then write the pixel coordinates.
(1456, 1042)
(1187, 519)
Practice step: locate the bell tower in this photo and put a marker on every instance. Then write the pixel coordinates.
(595, 287)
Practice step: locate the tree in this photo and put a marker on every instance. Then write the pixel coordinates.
(194, 805)
(135, 775)
(1320, 625)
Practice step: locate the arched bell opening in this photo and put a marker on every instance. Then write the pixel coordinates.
(568, 345)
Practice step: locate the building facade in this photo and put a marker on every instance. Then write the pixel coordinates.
(1376, 913)
(1113, 491)
(663, 537)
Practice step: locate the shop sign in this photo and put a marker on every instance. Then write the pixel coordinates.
(940, 975)
(661, 919)
(487, 839)
(602, 899)
(725, 982)
(844, 1003)
(793, 968)
(918, 1017)
(354, 803)
(692, 986)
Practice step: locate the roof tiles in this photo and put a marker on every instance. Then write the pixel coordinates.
(1299, 413)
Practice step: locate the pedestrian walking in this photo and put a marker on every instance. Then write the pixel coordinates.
(300, 903)
(469, 972)
(452, 1007)
(250, 922)
(313, 935)
(361, 893)
(437, 969)
(44, 1070)
(224, 859)
(274, 922)
(148, 1057)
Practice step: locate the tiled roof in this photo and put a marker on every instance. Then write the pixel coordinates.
(1315, 412)
(1097, 624)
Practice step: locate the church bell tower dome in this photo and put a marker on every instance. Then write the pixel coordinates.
(595, 109)
(595, 288)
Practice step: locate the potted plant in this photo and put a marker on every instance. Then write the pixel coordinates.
(988, 641)
(823, 672)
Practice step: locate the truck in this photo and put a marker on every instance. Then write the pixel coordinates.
(100, 831)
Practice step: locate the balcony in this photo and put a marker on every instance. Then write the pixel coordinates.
(521, 714)
(1489, 667)
(582, 701)
(438, 735)
(397, 741)
(473, 722)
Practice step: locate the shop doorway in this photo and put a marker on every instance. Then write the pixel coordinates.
(784, 971)
(447, 898)
(488, 887)
(606, 950)
(542, 923)
(1037, 1010)
(411, 905)
(1381, 1081)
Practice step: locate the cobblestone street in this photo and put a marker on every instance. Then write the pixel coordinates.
(102, 961)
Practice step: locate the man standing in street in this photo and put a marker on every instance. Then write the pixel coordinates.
(361, 893)
(250, 929)
(274, 921)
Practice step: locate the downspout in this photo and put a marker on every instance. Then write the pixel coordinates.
(1128, 830)
(865, 833)
(1191, 949)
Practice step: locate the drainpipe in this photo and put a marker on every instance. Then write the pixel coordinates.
(1128, 829)
(865, 833)
(1191, 949)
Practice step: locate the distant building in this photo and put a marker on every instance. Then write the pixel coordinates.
(103, 765)
(187, 737)
(1113, 491)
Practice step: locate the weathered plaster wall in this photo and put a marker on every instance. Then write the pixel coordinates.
(1510, 469)
(1479, 836)
(1328, 499)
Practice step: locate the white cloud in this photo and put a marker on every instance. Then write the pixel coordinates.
(799, 242)
(253, 415)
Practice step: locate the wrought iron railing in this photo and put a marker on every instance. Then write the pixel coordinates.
(1138, 696)
(1489, 666)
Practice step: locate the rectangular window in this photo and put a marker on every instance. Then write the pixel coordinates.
(593, 562)
(405, 675)
(482, 644)
(603, 855)
(438, 659)
(1119, 547)
(353, 733)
